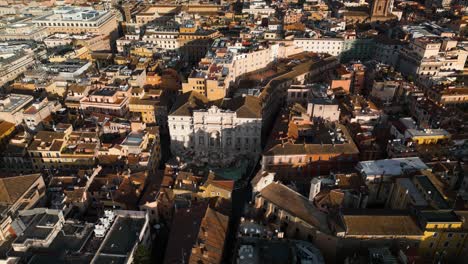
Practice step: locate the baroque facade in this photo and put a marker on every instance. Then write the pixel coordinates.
(217, 134)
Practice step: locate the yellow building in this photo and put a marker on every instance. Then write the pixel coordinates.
(214, 89)
(153, 79)
(64, 149)
(217, 188)
(24, 86)
(146, 108)
(427, 136)
(151, 106)
(444, 235)
(143, 51)
(6, 129)
(121, 60)
(56, 87)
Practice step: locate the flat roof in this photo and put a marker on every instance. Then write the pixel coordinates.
(14, 102)
(123, 236)
(39, 228)
(64, 246)
(133, 139)
(427, 132)
(439, 216)
(105, 92)
(391, 167)
(380, 223)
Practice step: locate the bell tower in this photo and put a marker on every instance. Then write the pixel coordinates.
(381, 8)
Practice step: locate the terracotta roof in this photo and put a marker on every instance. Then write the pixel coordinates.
(30, 111)
(296, 204)
(351, 181)
(329, 198)
(312, 149)
(5, 126)
(211, 238)
(152, 188)
(12, 188)
(380, 223)
(224, 184)
(57, 145)
(306, 147)
(183, 238)
(48, 136)
(108, 159)
(76, 195)
(188, 102)
(245, 107)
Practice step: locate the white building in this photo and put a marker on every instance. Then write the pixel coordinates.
(126, 40)
(215, 134)
(332, 46)
(12, 107)
(14, 64)
(323, 108)
(69, 19)
(38, 112)
(259, 9)
(58, 39)
(430, 58)
(164, 37)
(23, 31)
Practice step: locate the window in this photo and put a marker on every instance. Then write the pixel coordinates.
(446, 244)
(450, 234)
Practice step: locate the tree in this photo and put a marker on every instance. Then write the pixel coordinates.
(142, 255)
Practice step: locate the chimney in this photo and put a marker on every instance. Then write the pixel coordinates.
(315, 185)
